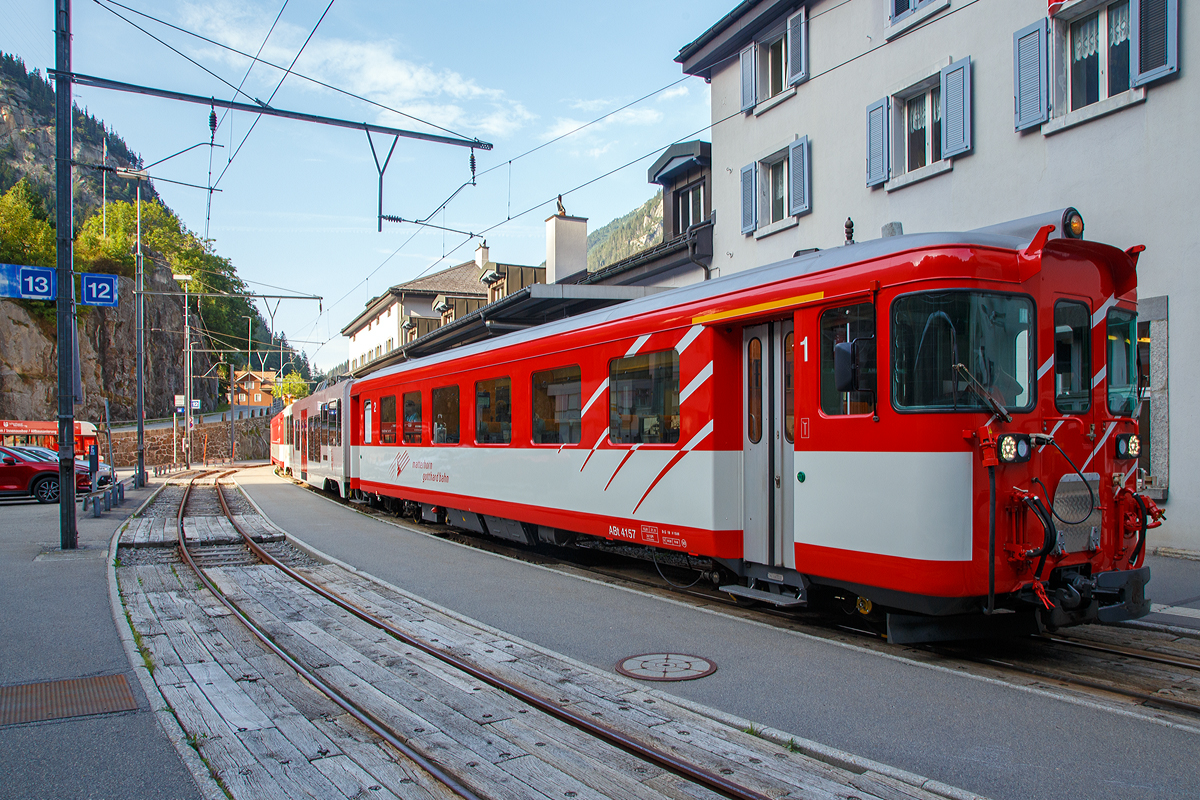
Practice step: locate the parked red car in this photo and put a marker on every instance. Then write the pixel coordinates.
(24, 476)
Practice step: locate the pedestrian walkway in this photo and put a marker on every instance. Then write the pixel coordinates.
(57, 629)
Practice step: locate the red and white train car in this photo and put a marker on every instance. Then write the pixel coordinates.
(930, 426)
(312, 435)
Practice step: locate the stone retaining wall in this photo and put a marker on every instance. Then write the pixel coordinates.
(210, 439)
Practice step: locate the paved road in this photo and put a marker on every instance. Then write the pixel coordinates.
(56, 623)
(992, 739)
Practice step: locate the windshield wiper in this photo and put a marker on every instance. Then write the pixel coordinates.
(974, 385)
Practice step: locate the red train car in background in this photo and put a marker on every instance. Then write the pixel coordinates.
(932, 429)
(45, 434)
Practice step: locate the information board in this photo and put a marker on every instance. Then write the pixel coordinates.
(28, 283)
(98, 289)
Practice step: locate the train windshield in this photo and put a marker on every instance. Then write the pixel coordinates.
(1123, 364)
(990, 335)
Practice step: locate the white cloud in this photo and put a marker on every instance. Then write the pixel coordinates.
(593, 106)
(680, 90)
(371, 69)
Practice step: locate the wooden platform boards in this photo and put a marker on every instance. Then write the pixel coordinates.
(267, 734)
(160, 531)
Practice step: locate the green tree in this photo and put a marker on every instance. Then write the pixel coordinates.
(25, 235)
(292, 385)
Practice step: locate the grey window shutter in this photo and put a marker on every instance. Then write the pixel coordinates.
(748, 75)
(878, 151)
(1154, 39)
(799, 177)
(1031, 87)
(797, 46)
(956, 108)
(749, 194)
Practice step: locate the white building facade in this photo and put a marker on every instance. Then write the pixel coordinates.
(958, 114)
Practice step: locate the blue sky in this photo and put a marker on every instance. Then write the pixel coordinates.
(298, 203)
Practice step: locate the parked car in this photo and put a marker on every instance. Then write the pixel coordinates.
(22, 475)
(104, 474)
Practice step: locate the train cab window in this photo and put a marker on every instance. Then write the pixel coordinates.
(1072, 357)
(990, 335)
(335, 424)
(493, 411)
(838, 325)
(445, 415)
(754, 400)
(412, 417)
(366, 422)
(1122, 362)
(387, 419)
(556, 395)
(643, 398)
(789, 387)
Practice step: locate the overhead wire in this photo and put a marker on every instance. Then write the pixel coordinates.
(278, 86)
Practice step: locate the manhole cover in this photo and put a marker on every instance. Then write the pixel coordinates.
(666, 667)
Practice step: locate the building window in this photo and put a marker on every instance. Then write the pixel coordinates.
(923, 125)
(493, 411)
(242, 398)
(784, 190)
(1098, 53)
(445, 415)
(775, 62)
(257, 398)
(903, 8)
(777, 189)
(643, 395)
(915, 129)
(556, 395)
(412, 418)
(689, 207)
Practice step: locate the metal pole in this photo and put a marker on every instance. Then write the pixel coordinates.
(139, 478)
(64, 225)
(104, 192)
(187, 370)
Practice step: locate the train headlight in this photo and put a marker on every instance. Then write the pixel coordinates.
(1014, 448)
(1128, 446)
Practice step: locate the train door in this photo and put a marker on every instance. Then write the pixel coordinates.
(304, 433)
(768, 378)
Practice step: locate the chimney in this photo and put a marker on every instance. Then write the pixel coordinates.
(566, 246)
(481, 254)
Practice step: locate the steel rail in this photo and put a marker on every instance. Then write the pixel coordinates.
(671, 763)
(1132, 652)
(366, 718)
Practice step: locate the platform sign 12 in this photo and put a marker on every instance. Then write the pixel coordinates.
(28, 283)
(98, 289)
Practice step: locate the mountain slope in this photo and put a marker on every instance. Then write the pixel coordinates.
(624, 236)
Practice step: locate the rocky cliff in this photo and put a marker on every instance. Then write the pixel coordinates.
(107, 353)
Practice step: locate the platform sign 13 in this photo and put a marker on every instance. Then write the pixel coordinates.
(28, 283)
(98, 289)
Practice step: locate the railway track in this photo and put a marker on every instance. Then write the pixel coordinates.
(1154, 670)
(704, 781)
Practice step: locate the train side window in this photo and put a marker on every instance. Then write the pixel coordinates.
(493, 411)
(840, 325)
(1072, 357)
(387, 419)
(643, 398)
(789, 388)
(754, 402)
(325, 424)
(445, 415)
(366, 422)
(335, 426)
(412, 417)
(556, 395)
(1122, 362)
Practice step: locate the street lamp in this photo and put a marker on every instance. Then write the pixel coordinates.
(187, 367)
(139, 478)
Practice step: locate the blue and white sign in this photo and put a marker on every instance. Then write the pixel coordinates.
(28, 283)
(196, 404)
(98, 289)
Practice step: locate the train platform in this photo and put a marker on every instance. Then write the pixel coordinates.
(74, 719)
